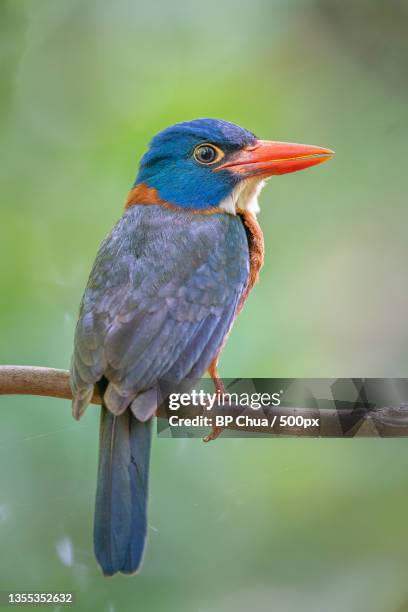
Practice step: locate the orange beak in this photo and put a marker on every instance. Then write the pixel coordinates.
(268, 157)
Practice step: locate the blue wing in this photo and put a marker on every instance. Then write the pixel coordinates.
(160, 299)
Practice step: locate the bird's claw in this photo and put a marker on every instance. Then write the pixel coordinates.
(213, 435)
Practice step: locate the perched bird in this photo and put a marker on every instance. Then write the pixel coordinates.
(165, 288)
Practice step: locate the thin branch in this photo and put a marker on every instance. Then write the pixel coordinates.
(381, 421)
(31, 380)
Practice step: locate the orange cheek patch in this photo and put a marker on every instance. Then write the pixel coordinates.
(143, 194)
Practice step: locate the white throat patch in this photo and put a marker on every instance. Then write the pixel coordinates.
(244, 197)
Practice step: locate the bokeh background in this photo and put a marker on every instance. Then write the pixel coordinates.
(287, 525)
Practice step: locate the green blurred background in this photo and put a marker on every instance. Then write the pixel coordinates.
(286, 525)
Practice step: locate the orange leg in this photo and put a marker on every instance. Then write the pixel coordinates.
(219, 388)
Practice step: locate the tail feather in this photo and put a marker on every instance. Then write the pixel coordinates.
(121, 498)
(140, 438)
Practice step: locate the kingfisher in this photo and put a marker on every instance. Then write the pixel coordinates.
(165, 288)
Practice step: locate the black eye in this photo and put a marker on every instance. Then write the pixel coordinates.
(207, 154)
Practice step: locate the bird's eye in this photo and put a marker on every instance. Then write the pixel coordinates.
(207, 154)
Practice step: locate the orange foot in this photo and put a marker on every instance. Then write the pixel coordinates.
(219, 388)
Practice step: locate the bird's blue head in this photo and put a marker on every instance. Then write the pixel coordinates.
(199, 164)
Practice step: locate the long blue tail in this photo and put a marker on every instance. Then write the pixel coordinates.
(121, 497)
